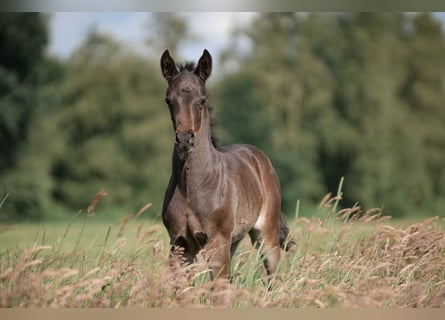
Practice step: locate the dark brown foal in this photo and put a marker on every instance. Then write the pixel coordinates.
(216, 195)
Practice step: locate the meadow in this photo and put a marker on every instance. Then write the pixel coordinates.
(343, 258)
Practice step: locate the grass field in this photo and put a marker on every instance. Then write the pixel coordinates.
(344, 259)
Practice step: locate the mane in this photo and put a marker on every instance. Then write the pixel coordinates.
(213, 135)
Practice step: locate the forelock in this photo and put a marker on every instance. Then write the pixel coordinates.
(187, 66)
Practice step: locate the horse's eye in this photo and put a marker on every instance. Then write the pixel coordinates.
(168, 101)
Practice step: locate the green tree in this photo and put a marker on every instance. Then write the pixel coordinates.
(167, 31)
(28, 78)
(423, 92)
(357, 95)
(387, 168)
(241, 114)
(116, 130)
(23, 37)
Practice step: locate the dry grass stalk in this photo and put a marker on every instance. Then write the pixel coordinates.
(352, 259)
(95, 201)
(144, 208)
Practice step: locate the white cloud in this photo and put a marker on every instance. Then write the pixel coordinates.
(213, 29)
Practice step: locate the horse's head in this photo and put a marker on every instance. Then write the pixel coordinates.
(186, 98)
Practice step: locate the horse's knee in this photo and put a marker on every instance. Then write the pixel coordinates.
(218, 253)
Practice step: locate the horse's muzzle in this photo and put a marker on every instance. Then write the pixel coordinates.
(185, 140)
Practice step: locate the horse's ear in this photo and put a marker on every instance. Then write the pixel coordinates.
(168, 66)
(204, 66)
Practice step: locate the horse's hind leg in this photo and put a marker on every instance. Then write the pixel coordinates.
(266, 232)
(269, 246)
(272, 253)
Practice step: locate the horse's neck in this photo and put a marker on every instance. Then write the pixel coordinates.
(199, 165)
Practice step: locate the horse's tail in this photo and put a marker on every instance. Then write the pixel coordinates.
(285, 243)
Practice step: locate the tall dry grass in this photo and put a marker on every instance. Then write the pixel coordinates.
(349, 258)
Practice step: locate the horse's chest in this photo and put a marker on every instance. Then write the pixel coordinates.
(229, 200)
(233, 196)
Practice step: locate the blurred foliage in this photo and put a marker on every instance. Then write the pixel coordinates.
(115, 128)
(23, 38)
(354, 95)
(25, 70)
(168, 31)
(357, 95)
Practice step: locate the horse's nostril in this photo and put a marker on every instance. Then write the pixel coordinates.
(185, 138)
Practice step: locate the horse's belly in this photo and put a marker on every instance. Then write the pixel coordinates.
(248, 201)
(240, 229)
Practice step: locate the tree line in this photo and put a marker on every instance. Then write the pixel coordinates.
(354, 95)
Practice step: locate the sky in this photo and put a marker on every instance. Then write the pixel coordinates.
(68, 29)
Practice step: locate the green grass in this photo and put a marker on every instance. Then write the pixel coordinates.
(84, 232)
(364, 261)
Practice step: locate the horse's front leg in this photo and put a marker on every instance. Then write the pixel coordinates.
(180, 254)
(217, 251)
